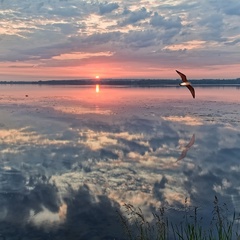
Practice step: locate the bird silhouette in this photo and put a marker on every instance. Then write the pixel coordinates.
(186, 83)
(186, 148)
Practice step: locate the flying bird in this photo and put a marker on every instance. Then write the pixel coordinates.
(186, 83)
(186, 148)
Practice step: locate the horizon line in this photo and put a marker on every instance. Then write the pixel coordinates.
(118, 79)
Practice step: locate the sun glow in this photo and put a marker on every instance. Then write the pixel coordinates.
(97, 77)
(97, 88)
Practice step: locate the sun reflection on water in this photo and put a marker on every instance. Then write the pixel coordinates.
(97, 88)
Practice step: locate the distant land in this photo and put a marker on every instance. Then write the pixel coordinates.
(131, 82)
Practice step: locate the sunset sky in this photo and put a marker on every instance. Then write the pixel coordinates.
(74, 39)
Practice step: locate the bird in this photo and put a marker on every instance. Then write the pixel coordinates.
(186, 83)
(186, 148)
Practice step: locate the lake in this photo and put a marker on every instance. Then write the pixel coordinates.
(72, 155)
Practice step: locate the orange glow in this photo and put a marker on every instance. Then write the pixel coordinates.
(33, 71)
(97, 77)
(97, 88)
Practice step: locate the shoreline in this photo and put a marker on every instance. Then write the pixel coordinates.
(131, 82)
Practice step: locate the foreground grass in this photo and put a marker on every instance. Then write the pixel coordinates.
(220, 227)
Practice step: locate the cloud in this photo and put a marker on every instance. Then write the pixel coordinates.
(158, 189)
(230, 8)
(66, 11)
(41, 213)
(155, 35)
(234, 42)
(107, 7)
(233, 10)
(188, 120)
(214, 27)
(140, 39)
(68, 29)
(100, 214)
(81, 55)
(134, 17)
(159, 21)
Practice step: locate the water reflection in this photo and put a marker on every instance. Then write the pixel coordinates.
(71, 170)
(186, 148)
(97, 88)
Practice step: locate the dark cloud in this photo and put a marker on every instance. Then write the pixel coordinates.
(203, 184)
(159, 21)
(159, 188)
(86, 44)
(19, 204)
(67, 28)
(158, 142)
(107, 154)
(11, 181)
(181, 6)
(230, 8)
(233, 42)
(140, 39)
(66, 12)
(85, 218)
(133, 146)
(96, 218)
(214, 27)
(136, 125)
(233, 10)
(126, 11)
(100, 38)
(107, 7)
(134, 17)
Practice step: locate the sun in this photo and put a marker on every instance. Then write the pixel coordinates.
(97, 77)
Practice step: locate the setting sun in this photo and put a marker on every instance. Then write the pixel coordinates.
(97, 77)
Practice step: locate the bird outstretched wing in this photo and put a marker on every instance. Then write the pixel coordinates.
(183, 76)
(191, 89)
(183, 155)
(187, 147)
(191, 142)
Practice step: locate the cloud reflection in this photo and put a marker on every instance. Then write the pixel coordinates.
(66, 170)
(186, 120)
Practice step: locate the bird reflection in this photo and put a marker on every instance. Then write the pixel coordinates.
(97, 88)
(186, 148)
(186, 83)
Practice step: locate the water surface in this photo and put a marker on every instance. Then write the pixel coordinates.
(71, 156)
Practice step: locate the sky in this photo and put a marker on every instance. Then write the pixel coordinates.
(73, 39)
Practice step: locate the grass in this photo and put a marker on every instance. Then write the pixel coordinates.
(222, 226)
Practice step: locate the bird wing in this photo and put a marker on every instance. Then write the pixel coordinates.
(191, 142)
(187, 147)
(191, 89)
(183, 76)
(183, 155)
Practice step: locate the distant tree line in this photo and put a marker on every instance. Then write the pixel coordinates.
(129, 82)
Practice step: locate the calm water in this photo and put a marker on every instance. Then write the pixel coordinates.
(71, 156)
